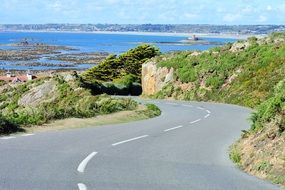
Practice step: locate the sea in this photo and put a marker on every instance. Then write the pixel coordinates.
(94, 42)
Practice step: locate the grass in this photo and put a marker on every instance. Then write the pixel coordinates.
(70, 100)
(277, 179)
(141, 113)
(264, 166)
(235, 155)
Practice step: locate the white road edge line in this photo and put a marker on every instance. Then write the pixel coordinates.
(26, 135)
(6, 138)
(195, 121)
(206, 116)
(136, 138)
(170, 129)
(208, 111)
(83, 164)
(200, 108)
(81, 186)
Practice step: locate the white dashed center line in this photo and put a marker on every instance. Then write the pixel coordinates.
(81, 186)
(206, 116)
(170, 129)
(192, 122)
(83, 164)
(129, 140)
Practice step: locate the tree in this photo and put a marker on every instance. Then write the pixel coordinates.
(116, 67)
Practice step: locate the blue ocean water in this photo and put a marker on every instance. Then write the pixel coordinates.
(94, 42)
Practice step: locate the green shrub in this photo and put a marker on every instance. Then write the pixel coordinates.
(214, 82)
(271, 109)
(264, 166)
(151, 111)
(7, 127)
(235, 155)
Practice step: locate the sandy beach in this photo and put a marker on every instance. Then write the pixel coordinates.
(203, 35)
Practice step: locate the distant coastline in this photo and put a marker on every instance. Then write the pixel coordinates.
(203, 35)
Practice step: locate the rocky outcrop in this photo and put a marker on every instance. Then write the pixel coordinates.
(42, 93)
(155, 78)
(240, 46)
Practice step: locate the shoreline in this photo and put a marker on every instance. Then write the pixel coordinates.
(203, 35)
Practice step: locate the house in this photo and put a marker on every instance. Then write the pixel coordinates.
(14, 79)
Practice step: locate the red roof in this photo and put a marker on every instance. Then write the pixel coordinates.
(22, 78)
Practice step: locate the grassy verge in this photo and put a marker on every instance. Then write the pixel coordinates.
(262, 154)
(141, 113)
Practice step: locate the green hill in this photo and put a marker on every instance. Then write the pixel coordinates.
(243, 73)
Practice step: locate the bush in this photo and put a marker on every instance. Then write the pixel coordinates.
(151, 111)
(271, 109)
(7, 127)
(235, 155)
(214, 82)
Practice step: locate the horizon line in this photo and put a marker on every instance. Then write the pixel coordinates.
(142, 24)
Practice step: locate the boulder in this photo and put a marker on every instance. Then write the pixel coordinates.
(43, 93)
(155, 78)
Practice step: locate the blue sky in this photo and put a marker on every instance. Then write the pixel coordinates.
(143, 11)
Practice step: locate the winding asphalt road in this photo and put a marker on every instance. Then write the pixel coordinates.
(185, 148)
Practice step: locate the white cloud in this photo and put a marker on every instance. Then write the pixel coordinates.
(269, 8)
(232, 17)
(262, 18)
(190, 16)
(248, 10)
(282, 8)
(56, 6)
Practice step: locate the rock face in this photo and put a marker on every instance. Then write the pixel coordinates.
(154, 78)
(42, 93)
(239, 46)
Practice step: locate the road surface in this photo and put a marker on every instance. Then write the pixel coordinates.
(185, 148)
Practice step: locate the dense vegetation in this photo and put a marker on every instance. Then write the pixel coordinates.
(119, 74)
(228, 74)
(7, 127)
(272, 110)
(68, 100)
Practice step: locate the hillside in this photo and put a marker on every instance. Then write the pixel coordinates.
(40, 101)
(248, 73)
